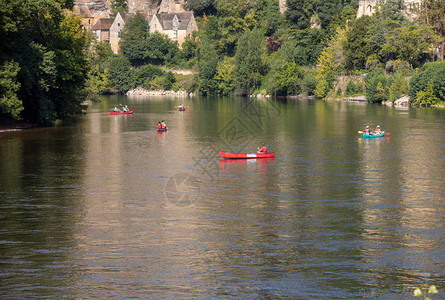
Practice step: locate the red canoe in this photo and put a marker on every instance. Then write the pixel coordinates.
(121, 112)
(162, 130)
(181, 109)
(245, 156)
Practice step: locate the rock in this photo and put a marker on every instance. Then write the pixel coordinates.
(143, 92)
(404, 101)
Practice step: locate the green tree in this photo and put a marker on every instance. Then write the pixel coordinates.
(146, 73)
(9, 102)
(376, 86)
(208, 59)
(324, 70)
(120, 74)
(398, 86)
(432, 13)
(331, 60)
(161, 49)
(225, 76)
(118, 6)
(284, 78)
(394, 10)
(234, 18)
(188, 54)
(268, 16)
(201, 7)
(356, 46)
(133, 40)
(408, 42)
(427, 97)
(432, 72)
(50, 48)
(250, 64)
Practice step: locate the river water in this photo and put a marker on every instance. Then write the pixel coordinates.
(104, 206)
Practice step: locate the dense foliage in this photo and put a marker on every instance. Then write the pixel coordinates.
(43, 62)
(428, 86)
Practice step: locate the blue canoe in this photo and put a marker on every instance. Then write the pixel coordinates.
(371, 136)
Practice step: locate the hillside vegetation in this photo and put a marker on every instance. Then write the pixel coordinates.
(48, 65)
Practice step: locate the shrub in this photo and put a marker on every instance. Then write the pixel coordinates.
(398, 87)
(427, 97)
(432, 72)
(376, 89)
(353, 88)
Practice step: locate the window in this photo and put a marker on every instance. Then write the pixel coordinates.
(175, 34)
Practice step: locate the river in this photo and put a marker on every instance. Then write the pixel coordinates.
(104, 206)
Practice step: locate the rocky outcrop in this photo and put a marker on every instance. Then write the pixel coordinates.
(404, 101)
(143, 92)
(98, 8)
(102, 7)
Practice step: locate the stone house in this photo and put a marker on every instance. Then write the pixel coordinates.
(177, 26)
(102, 29)
(86, 16)
(116, 28)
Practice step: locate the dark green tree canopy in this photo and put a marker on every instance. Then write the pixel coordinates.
(48, 48)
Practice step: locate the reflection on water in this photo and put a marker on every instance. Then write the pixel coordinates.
(105, 206)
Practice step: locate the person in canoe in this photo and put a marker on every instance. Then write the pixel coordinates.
(367, 130)
(263, 150)
(116, 109)
(159, 125)
(125, 108)
(163, 125)
(181, 106)
(378, 130)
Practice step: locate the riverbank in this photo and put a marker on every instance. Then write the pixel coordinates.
(143, 92)
(15, 125)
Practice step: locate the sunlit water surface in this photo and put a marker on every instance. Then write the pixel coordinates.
(105, 207)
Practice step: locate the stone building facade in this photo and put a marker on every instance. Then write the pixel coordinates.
(177, 26)
(368, 7)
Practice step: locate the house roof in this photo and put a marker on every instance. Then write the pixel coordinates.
(125, 16)
(167, 20)
(84, 12)
(103, 24)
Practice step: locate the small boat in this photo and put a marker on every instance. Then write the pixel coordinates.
(121, 112)
(373, 135)
(245, 156)
(162, 129)
(182, 109)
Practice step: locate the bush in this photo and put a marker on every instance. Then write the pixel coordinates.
(398, 86)
(427, 97)
(144, 74)
(164, 82)
(339, 93)
(309, 82)
(353, 89)
(377, 89)
(433, 72)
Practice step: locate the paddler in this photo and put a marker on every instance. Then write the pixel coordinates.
(159, 125)
(367, 131)
(163, 125)
(377, 130)
(263, 150)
